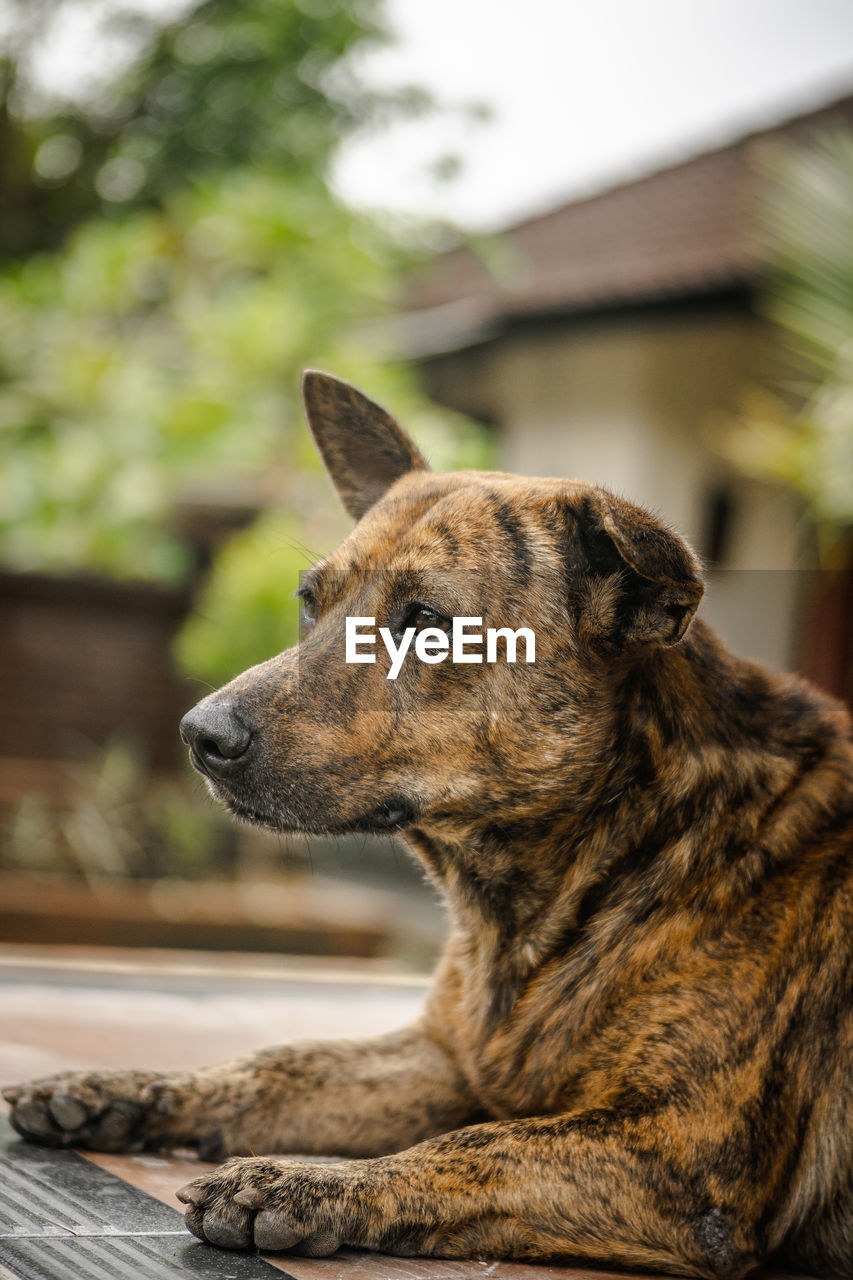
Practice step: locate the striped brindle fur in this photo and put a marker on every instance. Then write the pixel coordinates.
(638, 1047)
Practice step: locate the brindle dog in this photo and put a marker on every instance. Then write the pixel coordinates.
(638, 1047)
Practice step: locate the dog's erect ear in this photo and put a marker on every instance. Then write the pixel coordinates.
(635, 580)
(363, 448)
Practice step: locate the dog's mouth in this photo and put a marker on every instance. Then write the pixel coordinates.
(246, 813)
(393, 814)
(277, 790)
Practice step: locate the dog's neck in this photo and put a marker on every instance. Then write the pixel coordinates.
(694, 733)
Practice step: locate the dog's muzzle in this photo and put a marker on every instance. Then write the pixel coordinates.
(219, 741)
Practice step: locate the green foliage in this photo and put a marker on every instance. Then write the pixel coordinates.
(228, 84)
(238, 85)
(153, 358)
(246, 612)
(160, 355)
(802, 434)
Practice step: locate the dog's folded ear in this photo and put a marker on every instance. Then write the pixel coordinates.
(633, 580)
(364, 449)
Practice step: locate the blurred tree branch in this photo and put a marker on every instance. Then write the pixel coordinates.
(231, 83)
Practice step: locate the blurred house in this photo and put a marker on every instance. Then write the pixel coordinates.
(609, 339)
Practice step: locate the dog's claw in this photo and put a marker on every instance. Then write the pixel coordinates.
(191, 1194)
(251, 1198)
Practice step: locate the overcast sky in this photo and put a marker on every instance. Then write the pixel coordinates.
(586, 92)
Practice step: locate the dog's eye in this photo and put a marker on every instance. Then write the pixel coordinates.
(420, 617)
(309, 605)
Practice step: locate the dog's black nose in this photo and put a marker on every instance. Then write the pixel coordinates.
(216, 736)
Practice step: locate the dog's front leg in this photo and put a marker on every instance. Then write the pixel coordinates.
(358, 1097)
(594, 1185)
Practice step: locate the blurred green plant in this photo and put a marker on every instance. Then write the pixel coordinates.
(150, 361)
(225, 84)
(159, 357)
(246, 612)
(117, 820)
(801, 432)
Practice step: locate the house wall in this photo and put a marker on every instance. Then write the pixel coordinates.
(637, 404)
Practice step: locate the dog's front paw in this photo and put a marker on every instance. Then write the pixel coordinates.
(276, 1205)
(101, 1110)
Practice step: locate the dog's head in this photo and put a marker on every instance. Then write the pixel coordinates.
(309, 741)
